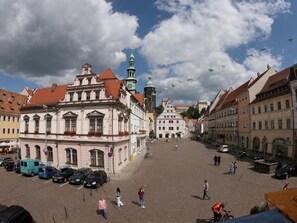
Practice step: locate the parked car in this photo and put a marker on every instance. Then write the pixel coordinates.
(46, 172)
(30, 166)
(15, 214)
(223, 149)
(96, 179)
(80, 175)
(63, 175)
(4, 160)
(9, 166)
(286, 171)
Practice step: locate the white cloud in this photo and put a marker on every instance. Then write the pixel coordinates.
(45, 40)
(194, 43)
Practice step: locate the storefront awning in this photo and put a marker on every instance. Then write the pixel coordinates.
(272, 216)
(285, 201)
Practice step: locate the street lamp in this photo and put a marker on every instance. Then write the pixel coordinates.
(45, 133)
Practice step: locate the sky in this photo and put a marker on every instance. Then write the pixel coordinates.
(190, 48)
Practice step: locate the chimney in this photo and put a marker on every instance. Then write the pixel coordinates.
(53, 88)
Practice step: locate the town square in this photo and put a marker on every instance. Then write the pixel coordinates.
(148, 111)
(173, 192)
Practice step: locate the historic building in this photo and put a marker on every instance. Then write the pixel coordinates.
(244, 100)
(150, 106)
(83, 124)
(272, 116)
(169, 123)
(10, 104)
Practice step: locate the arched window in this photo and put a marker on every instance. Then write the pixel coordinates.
(256, 144)
(120, 156)
(27, 151)
(97, 158)
(264, 145)
(71, 156)
(280, 147)
(36, 120)
(38, 152)
(125, 153)
(26, 119)
(49, 153)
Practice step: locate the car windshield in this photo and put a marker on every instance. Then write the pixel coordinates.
(78, 173)
(285, 167)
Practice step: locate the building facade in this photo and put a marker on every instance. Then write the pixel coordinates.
(10, 104)
(84, 124)
(169, 124)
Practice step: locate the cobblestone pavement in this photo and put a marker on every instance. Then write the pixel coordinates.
(174, 187)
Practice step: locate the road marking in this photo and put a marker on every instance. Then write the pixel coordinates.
(64, 184)
(80, 187)
(34, 178)
(47, 181)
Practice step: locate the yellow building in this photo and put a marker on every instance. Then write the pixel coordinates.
(272, 117)
(10, 103)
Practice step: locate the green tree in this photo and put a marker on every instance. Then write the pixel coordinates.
(159, 110)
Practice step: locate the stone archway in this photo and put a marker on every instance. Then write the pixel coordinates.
(264, 145)
(256, 144)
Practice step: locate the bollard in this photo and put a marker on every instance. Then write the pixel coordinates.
(66, 212)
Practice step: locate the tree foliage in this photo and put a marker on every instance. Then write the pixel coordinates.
(159, 110)
(191, 113)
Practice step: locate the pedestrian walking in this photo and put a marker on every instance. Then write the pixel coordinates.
(231, 170)
(234, 167)
(141, 197)
(286, 186)
(102, 207)
(205, 190)
(219, 160)
(215, 159)
(118, 194)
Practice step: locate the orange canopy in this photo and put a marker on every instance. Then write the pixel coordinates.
(285, 201)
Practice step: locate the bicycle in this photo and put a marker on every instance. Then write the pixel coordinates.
(225, 216)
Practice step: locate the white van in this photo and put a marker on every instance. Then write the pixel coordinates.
(223, 149)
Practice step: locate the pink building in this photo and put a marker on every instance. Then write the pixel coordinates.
(83, 124)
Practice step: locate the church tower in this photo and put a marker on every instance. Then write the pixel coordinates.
(150, 96)
(131, 80)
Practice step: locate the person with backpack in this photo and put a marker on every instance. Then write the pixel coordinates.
(217, 209)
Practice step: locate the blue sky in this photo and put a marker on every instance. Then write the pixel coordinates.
(191, 48)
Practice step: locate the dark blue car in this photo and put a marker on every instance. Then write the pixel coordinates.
(46, 172)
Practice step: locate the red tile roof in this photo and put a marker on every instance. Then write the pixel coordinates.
(231, 98)
(111, 83)
(277, 80)
(47, 96)
(139, 98)
(221, 101)
(107, 75)
(11, 102)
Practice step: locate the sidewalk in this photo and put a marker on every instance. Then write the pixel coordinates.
(130, 169)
